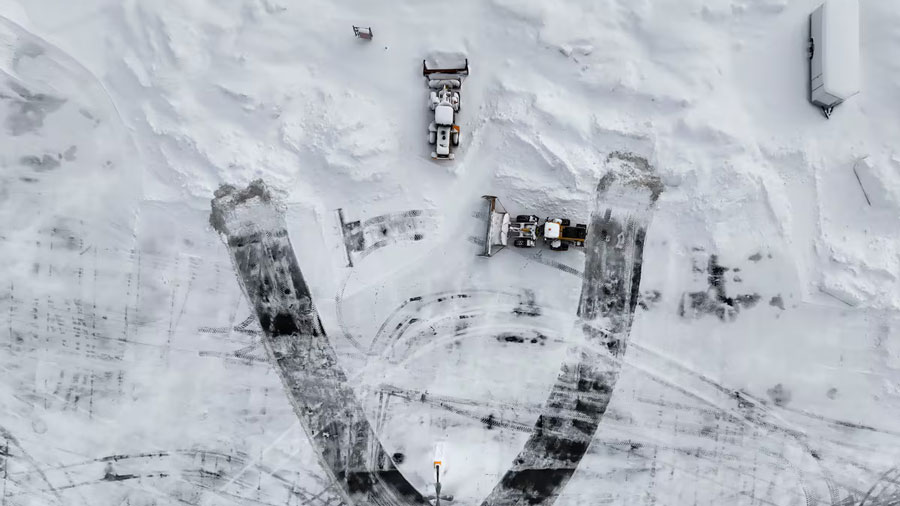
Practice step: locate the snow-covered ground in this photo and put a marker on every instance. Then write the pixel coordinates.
(763, 362)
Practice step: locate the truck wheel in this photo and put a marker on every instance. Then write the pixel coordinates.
(432, 137)
(523, 218)
(562, 247)
(520, 243)
(454, 138)
(581, 225)
(565, 222)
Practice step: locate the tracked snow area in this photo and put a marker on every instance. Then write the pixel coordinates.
(138, 363)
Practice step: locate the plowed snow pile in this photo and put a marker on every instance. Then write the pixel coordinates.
(730, 334)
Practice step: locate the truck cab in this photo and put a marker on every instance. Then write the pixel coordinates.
(443, 133)
(560, 234)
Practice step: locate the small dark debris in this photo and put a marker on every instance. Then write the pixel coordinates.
(779, 395)
(649, 298)
(527, 311)
(742, 401)
(398, 458)
(716, 276)
(756, 257)
(40, 163)
(527, 305)
(69, 154)
(29, 110)
(118, 477)
(747, 300)
(777, 301)
(715, 299)
(109, 474)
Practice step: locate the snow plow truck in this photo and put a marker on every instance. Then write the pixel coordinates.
(527, 230)
(444, 99)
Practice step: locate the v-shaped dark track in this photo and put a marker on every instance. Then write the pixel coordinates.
(349, 450)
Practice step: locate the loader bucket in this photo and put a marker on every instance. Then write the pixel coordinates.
(451, 71)
(497, 230)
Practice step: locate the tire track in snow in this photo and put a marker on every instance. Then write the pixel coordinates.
(347, 446)
(470, 307)
(757, 414)
(27, 457)
(614, 249)
(885, 491)
(537, 257)
(205, 469)
(362, 238)
(391, 325)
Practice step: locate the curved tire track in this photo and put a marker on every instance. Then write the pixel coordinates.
(318, 389)
(610, 290)
(348, 448)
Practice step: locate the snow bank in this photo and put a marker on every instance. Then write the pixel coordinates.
(121, 293)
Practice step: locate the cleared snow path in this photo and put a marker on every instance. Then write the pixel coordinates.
(349, 450)
(609, 295)
(258, 241)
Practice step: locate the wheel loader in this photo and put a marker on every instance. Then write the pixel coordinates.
(527, 230)
(560, 234)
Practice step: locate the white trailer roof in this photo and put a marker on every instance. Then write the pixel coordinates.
(840, 48)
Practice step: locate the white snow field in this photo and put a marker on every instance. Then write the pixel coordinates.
(757, 364)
